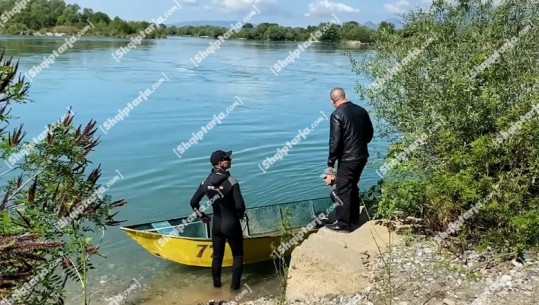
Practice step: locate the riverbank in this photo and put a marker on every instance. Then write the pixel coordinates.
(53, 33)
(420, 271)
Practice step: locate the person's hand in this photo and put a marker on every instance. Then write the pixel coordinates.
(329, 179)
(204, 218)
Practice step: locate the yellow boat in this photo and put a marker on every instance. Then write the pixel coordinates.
(188, 242)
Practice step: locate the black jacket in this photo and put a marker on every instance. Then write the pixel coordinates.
(349, 133)
(224, 194)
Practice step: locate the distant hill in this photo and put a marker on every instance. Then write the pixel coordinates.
(397, 22)
(371, 25)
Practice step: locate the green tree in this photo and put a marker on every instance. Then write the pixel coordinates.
(87, 14)
(120, 27)
(348, 29)
(248, 33)
(173, 30)
(260, 31)
(100, 17)
(290, 35)
(275, 33)
(70, 15)
(332, 34)
(447, 96)
(217, 31)
(16, 28)
(354, 31)
(386, 26)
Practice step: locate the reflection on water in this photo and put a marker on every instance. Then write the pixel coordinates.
(24, 45)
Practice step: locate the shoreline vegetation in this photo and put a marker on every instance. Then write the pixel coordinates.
(63, 19)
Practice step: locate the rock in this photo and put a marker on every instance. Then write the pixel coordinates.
(516, 263)
(325, 267)
(448, 302)
(354, 43)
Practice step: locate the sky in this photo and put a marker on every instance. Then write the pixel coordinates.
(283, 12)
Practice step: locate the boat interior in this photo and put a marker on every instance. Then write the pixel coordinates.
(260, 221)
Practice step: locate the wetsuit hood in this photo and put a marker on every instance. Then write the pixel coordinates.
(218, 176)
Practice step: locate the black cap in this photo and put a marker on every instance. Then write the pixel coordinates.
(219, 155)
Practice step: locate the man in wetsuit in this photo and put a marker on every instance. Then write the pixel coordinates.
(224, 193)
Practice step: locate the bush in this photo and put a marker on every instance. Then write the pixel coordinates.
(458, 138)
(39, 253)
(16, 28)
(66, 29)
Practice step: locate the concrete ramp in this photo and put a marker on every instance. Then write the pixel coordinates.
(331, 263)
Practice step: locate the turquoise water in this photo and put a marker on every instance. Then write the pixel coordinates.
(232, 101)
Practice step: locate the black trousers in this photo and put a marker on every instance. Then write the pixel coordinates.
(348, 174)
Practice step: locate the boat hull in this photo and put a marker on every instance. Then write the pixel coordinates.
(198, 251)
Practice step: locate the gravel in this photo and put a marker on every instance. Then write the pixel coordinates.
(424, 273)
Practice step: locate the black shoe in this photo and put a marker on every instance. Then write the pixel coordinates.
(336, 226)
(322, 221)
(216, 283)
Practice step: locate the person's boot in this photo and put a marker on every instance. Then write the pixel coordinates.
(237, 270)
(216, 271)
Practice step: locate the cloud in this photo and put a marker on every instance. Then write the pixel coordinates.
(326, 8)
(190, 2)
(399, 7)
(242, 5)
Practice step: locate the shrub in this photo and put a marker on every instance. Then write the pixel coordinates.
(466, 86)
(37, 254)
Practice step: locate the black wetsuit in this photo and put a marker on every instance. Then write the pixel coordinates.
(228, 208)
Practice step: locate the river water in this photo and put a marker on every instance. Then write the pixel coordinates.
(156, 153)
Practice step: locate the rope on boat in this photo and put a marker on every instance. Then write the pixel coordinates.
(246, 225)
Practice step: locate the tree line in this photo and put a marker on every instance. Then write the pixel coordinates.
(41, 16)
(55, 16)
(348, 31)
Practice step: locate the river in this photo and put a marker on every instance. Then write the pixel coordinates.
(255, 112)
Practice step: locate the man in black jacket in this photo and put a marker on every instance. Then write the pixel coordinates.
(224, 193)
(350, 132)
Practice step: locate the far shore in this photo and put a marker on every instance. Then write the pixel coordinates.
(348, 43)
